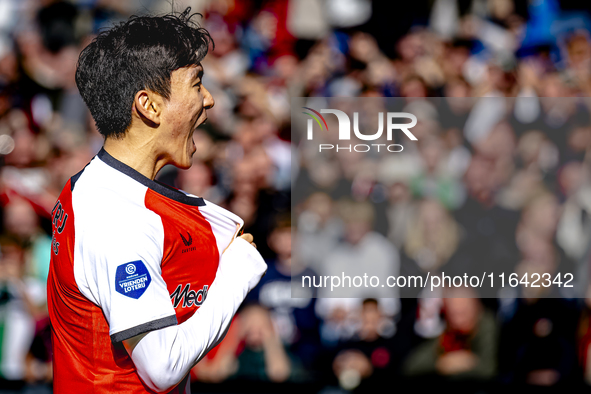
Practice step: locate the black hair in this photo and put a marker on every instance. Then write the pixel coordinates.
(140, 53)
(372, 301)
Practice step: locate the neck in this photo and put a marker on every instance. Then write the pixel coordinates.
(138, 154)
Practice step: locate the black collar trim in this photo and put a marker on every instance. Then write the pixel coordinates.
(158, 187)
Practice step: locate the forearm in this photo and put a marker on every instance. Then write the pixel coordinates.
(422, 360)
(164, 357)
(277, 363)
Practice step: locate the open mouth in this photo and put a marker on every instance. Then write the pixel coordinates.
(192, 138)
(198, 123)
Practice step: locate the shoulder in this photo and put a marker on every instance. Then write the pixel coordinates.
(110, 207)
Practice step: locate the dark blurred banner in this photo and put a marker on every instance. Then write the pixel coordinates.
(440, 197)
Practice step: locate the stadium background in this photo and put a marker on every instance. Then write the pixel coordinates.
(536, 192)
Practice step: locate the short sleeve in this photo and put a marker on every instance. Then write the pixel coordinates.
(118, 267)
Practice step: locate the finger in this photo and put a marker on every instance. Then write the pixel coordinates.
(253, 244)
(247, 237)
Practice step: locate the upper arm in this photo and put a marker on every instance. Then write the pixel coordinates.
(118, 267)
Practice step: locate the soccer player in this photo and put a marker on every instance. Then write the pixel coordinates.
(144, 278)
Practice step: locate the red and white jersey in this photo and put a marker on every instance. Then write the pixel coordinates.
(129, 255)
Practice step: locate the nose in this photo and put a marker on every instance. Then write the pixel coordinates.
(208, 101)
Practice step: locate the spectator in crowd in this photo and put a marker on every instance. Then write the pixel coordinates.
(466, 349)
(368, 358)
(261, 355)
(488, 228)
(293, 315)
(22, 223)
(253, 351)
(434, 182)
(538, 343)
(433, 236)
(318, 230)
(22, 302)
(380, 258)
(395, 173)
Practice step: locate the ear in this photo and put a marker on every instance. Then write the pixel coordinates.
(148, 106)
(272, 240)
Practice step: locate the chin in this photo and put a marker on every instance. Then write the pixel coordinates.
(182, 163)
(185, 165)
(187, 162)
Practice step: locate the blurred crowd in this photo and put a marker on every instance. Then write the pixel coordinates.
(506, 184)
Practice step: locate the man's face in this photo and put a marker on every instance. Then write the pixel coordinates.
(183, 113)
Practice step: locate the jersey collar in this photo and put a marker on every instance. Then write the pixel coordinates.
(160, 188)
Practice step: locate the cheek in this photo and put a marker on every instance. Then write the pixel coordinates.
(174, 118)
(190, 112)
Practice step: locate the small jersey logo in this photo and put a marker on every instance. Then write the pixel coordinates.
(130, 268)
(132, 279)
(59, 220)
(187, 296)
(188, 242)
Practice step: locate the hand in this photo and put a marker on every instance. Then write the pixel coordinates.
(248, 238)
(456, 362)
(241, 258)
(352, 360)
(543, 377)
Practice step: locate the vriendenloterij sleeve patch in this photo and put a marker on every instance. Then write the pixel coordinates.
(132, 279)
